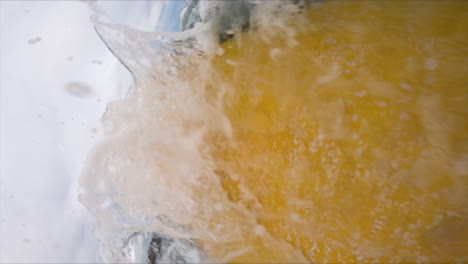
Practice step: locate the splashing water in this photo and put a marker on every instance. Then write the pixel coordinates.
(287, 132)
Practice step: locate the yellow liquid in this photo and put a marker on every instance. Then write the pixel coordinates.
(350, 144)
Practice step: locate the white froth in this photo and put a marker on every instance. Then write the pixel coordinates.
(431, 64)
(260, 230)
(148, 172)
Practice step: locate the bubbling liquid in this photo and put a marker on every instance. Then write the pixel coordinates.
(335, 132)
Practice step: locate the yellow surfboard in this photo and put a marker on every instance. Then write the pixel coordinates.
(350, 134)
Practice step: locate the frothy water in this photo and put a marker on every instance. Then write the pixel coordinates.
(161, 182)
(141, 181)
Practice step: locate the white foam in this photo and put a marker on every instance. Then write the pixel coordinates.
(431, 64)
(149, 169)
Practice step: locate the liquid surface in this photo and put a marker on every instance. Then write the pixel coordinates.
(337, 132)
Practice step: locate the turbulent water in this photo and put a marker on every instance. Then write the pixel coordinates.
(287, 131)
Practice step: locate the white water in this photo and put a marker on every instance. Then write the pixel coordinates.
(153, 172)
